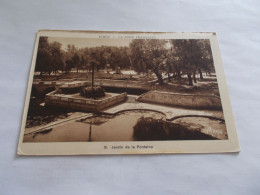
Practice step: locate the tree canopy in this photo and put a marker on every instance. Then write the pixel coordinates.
(173, 57)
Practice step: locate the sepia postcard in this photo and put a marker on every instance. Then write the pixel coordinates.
(97, 92)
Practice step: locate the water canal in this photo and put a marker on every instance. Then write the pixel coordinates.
(97, 128)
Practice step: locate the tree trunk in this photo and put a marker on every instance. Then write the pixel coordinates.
(201, 76)
(194, 77)
(168, 72)
(179, 74)
(158, 75)
(190, 79)
(92, 83)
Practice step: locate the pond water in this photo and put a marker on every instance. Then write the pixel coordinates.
(98, 128)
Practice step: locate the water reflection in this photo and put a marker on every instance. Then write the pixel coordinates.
(127, 126)
(100, 128)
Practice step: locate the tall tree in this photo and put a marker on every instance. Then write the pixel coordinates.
(184, 52)
(69, 65)
(56, 56)
(148, 54)
(76, 61)
(193, 55)
(206, 60)
(43, 56)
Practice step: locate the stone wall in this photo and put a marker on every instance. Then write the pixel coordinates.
(103, 83)
(182, 100)
(83, 104)
(40, 87)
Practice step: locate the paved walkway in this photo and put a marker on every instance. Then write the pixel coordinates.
(170, 112)
(73, 116)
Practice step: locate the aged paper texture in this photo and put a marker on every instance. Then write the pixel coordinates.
(96, 92)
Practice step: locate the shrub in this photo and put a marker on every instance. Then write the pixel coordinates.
(97, 92)
(148, 129)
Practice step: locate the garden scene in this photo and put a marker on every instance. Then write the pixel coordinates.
(124, 90)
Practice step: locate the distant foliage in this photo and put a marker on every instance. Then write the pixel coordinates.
(174, 58)
(52, 58)
(96, 92)
(49, 57)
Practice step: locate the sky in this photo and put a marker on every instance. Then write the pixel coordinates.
(89, 42)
